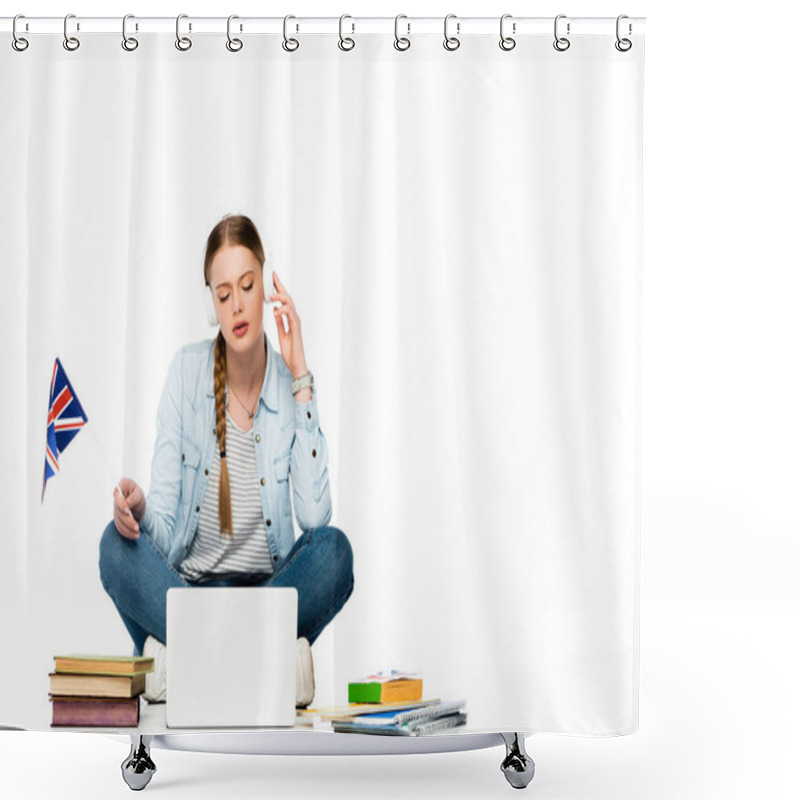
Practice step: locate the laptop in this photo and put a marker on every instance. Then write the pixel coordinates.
(231, 656)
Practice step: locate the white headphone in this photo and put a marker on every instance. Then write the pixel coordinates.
(211, 312)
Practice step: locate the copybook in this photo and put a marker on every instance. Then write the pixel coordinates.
(415, 722)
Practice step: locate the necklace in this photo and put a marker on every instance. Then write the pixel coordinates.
(250, 413)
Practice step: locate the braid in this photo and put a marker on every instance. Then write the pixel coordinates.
(220, 381)
(232, 229)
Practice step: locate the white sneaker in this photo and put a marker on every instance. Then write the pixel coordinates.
(155, 682)
(305, 673)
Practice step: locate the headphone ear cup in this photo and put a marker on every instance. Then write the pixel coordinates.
(211, 312)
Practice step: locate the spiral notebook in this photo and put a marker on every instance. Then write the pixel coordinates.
(414, 722)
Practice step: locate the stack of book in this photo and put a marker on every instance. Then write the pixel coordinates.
(421, 720)
(98, 690)
(390, 703)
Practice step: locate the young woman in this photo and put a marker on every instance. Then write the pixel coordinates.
(236, 421)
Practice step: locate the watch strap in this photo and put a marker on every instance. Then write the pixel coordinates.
(304, 380)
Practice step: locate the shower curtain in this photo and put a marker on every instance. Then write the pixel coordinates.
(460, 231)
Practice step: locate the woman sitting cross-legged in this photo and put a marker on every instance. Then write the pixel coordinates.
(237, 424)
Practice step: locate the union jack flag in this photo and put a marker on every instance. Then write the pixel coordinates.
(64, 419)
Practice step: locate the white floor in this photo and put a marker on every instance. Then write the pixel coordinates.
(718, 718)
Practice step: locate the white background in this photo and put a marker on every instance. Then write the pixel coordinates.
(720, 597)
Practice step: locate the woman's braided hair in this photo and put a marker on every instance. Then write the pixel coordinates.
(232, 229)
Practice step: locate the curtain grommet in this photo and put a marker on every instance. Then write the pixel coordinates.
(506, 42)
(234, 45)
(19, 43)
(183, 43)
(561, 43)
(345, 42)
(623, 45)
(129, 43)
(70, 42)
(401, 43)
(451, 42)
(289, 45)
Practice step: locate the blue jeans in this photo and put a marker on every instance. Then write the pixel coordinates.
(136, 576)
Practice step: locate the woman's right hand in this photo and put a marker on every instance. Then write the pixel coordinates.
(129, 511)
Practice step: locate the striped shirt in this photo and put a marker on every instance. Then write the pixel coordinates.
(211, 555)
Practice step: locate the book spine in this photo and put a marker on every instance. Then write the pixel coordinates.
(97, 685)
(61, 671)
(103, 665)
(94, 713)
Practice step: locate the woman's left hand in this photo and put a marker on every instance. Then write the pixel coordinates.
(292, 341)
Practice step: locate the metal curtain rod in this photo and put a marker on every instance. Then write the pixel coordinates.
(322, 25)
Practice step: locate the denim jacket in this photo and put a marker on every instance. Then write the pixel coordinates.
(288, 441)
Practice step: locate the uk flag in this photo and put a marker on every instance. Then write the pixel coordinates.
(64, 419)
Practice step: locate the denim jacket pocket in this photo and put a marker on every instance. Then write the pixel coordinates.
(281, 467)
(190, 461)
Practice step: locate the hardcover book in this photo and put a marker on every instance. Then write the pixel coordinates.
(104, 665)
(84, 685)
(96, 711)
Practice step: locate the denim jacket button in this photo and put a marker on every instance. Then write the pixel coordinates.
(269, 523)
(206, 472)
(258, 438)
(274, 558)
(197, 509)
(262, 481)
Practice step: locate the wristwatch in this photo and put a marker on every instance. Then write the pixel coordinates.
(304, 380)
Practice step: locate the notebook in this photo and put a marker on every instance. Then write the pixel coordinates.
(231, 656)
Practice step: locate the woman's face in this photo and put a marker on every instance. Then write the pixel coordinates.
(238, 291)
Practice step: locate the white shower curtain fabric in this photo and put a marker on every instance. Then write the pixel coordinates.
(461, 235)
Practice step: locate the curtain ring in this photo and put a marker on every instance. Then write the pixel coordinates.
(506, 42)
(18, 42)
(450, 42)
(401, 43)
(290, 45)
(70, 42)
(350, 44)
(623, 45)
(561, 43)
(181, 42)
(234, 45)
(129, 43)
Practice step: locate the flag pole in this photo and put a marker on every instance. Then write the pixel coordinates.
(108, 464)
